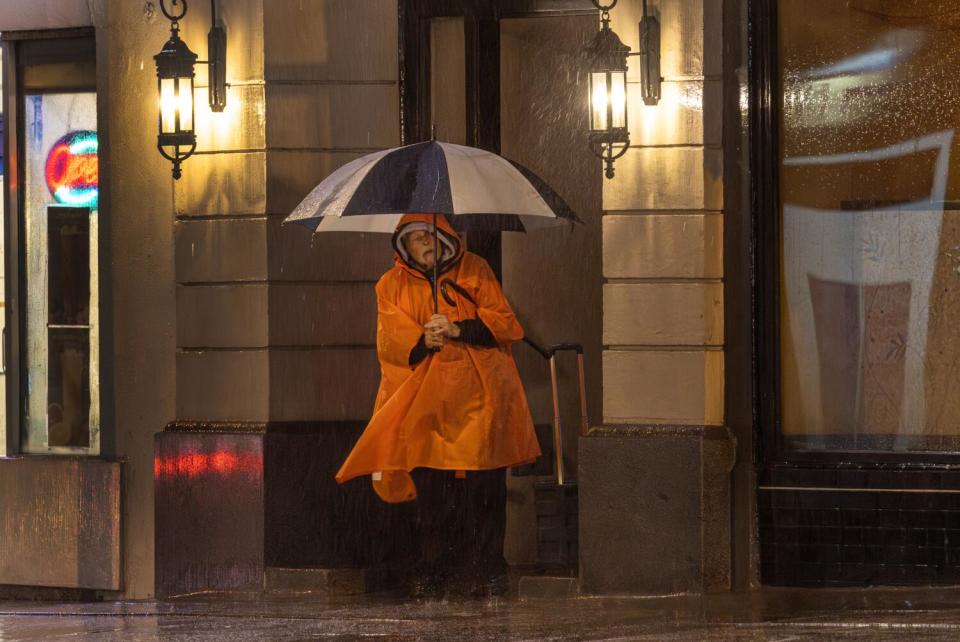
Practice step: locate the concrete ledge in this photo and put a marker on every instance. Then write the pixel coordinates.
(329, 581)
(533, 587)
(60, 522)
(654, 508)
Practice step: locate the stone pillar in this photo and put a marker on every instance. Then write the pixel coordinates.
(332, 95)
(655, 478)
(275, 329)
(221, 231)
(274, 325)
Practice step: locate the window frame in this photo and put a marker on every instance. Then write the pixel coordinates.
(765, 122)
(40, 45)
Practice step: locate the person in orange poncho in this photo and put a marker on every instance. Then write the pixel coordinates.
(450, 414)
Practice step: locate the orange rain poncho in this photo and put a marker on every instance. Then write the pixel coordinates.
(462, 408)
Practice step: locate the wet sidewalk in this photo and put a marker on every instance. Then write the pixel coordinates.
(871, 614)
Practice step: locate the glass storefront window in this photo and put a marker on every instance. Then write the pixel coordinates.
(61, 175)
(870, 225)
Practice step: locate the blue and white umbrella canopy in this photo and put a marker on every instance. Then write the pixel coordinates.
(476, 189)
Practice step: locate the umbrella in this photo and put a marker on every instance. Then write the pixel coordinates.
(477, 190)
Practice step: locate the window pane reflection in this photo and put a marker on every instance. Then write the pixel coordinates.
(68, 388)
(870, 206)
(60, 237)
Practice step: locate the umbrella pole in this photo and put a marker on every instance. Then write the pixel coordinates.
(436, 263)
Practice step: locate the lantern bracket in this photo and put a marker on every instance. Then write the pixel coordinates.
(605, 51)
(172, 15)
(650, 78)
(216, 50)
(604, 10)
(177, 56)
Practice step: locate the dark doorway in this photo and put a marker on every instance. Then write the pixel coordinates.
(506, 76)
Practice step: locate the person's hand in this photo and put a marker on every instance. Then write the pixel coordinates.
(443, 325)
(432, 338)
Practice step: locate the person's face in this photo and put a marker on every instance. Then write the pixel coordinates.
(419, 246)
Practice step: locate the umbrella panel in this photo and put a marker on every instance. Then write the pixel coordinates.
(372, 193)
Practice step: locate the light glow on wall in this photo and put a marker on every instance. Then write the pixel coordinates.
(231, 127)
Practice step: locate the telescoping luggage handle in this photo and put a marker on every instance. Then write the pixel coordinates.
(550, 354)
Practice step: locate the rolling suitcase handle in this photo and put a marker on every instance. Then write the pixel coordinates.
(550, 354)
(557, 433)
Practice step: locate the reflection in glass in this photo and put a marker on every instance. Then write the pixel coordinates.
(68, 312)
(870, 232)
(68, 248)
(68, 387)
(60, 238)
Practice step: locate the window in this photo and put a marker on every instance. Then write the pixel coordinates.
(57, 246)
(869, 228)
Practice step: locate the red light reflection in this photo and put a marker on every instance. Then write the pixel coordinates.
(196, 464)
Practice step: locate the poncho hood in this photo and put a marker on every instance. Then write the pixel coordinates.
(451, 246)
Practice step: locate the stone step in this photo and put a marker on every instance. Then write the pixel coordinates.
(329, 581)
(534, 587)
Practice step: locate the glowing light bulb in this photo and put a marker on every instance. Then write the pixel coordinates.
(599, 100)
(168, 105)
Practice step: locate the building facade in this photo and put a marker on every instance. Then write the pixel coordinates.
(768, 378)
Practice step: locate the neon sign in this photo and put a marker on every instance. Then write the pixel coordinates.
(73, 169)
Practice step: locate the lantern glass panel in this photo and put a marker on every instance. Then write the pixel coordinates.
(185, 103)
(618, 99)
(598, 100)
(168, 106)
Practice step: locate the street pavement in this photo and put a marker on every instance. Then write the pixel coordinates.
(772, 614)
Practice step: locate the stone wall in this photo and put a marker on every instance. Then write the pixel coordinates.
(136, 208)
(274, 325)
(660, 463)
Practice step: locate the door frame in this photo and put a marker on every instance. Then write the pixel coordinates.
(481, 29)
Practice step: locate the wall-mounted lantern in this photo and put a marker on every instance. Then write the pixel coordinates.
(607, 55)
(176, 138)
